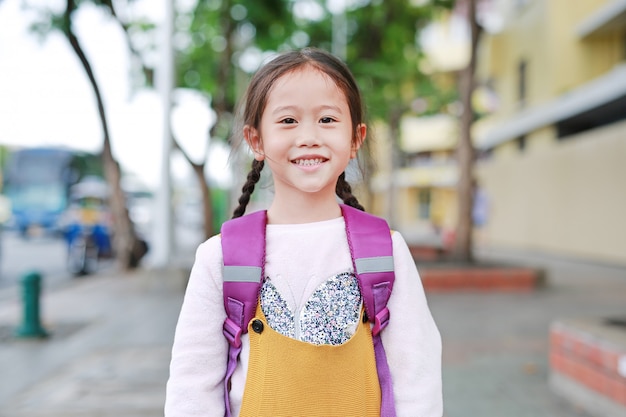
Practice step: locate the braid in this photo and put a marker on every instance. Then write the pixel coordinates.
(253, 177)
(344, 191)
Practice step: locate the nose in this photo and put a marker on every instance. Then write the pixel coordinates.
(307, 136)
(307, 141)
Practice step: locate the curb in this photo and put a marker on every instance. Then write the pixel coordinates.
(588, 364)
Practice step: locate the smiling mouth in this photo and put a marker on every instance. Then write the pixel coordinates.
(308, 162)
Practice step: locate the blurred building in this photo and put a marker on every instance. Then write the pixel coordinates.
(424, 205)
(553, 150)
(418, 193)
(550, 139)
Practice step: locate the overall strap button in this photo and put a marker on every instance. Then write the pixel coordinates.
(257, 326)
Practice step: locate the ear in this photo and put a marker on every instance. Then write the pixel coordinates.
(361, 133)
(251, 135)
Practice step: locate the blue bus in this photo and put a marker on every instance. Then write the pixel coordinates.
(37, 183)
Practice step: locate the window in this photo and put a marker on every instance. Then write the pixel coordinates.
(603, 115)
(522, 82)
(424, 203)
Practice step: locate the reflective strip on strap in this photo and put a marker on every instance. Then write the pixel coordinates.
(376, 264)
(242, 273)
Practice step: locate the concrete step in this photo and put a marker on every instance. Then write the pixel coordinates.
(588, 363)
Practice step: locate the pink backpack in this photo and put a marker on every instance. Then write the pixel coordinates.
(243, 248)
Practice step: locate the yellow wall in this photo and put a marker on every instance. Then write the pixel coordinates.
(570, 198)
(543, 33)
(444, 208)
(574, 61)
(562, 196)
(443, 212)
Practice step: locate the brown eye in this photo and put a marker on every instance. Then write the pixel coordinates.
(288, 121)
(327, 120)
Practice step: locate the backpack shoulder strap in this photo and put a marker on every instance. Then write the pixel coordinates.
(370, 244)
(371, 247)
(243, 250)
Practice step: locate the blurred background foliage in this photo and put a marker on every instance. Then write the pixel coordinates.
(218, 44)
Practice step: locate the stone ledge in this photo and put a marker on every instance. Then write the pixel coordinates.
(447, 277)
(588, 364)
(427, 252)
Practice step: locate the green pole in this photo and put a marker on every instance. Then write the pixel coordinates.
(31, 289)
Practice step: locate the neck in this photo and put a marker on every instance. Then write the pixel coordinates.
(303, 210)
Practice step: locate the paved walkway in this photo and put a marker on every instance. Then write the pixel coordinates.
(108, 353)
(111, 336)
(496, 345)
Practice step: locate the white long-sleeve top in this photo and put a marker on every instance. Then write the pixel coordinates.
(299, 257)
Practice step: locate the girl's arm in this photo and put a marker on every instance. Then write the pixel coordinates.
(412, 341)
(195, 386)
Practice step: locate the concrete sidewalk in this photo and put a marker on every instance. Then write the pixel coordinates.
(111, 338)
(496, 345)
(108, 353)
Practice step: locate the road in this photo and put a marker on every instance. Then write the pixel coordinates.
(44, 254)
(47, 255)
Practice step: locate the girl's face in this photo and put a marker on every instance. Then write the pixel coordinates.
(305, 134)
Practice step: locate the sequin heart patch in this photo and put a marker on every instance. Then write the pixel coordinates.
(330, 316)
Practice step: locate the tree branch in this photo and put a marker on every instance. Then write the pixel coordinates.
(71, 36)
(148, 72)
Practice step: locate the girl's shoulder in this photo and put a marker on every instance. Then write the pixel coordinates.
(397, 238)
(400, 247)
(212, 242)
(210, 251)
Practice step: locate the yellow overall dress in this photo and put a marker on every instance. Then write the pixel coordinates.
(289, 378)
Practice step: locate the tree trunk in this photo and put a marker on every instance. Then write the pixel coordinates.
(394, 134)
(463, 244)
(222, 109)
(207, 203)
(462, 250)
(128, 248)
(205, 191)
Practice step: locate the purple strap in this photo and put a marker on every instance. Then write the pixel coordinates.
(369, 237)
(243, 249)
(234, 349)
(387, 403)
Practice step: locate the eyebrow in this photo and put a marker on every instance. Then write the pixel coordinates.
(282, 109)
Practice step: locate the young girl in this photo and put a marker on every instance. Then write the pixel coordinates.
(303, 117)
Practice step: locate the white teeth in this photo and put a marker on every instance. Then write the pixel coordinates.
(308, 162)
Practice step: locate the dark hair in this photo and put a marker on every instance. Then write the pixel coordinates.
(256, 99)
